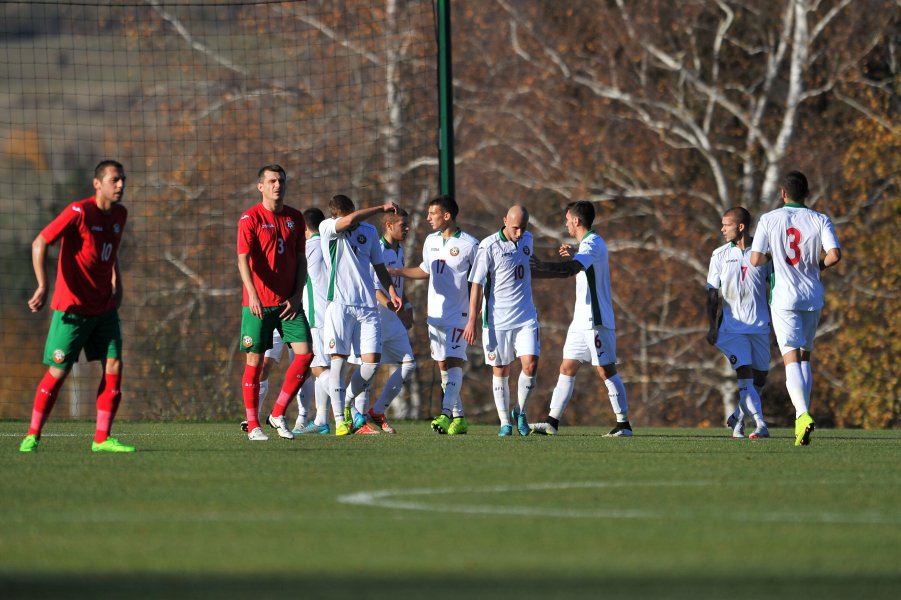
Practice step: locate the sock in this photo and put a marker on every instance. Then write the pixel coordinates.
(44, 399)
(794, 384)
(336, 388)
(264, 391)
(108, 396)
(617, 393)
(501, 388)
(450, 403)
(393, 387)
(524, 388)
(361, 401)
(250, 385)
(322, 398)
(749, 400)
(808, 380)
(563, 391)
(360, 383)
(443, 381)
(294, 378)
(304, 399)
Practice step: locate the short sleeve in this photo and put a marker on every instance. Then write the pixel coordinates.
(586, 254)
(713, 273)
(426, 264)
(327, 229)
(830, 240)
(761, 241)
(479, 272)
(70, 217)
(245, 234)
(376, 256)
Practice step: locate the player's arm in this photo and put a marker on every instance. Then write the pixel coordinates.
(38, 260)
(758, 259)
(385, 279)
(476, 293)
(408, 272)
(253, 299)
(353, 219)
(831, 259)
(293, 304)
(554, 270)
(117, 284)
(713, 314)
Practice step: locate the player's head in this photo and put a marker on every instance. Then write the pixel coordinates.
(109, 181)
(395, 225)
(794, 186)
(516, 222)
(340, 206)
(313, 217)
(271, 183)
(736, 223)
(442, 211)
(579, 215)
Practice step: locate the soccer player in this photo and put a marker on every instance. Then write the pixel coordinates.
(801, 243)
(502, 276)
(742, 331)
(85, 302)
(396, 347)
(592, 333)
(273, 266)
(448, 254)
(314, 301)
(351, 320)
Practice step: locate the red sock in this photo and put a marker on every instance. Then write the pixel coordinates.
(108, 396)
(44, 399)
(294, 378)
(251, 388)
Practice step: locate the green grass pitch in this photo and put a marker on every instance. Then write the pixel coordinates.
(200, 512)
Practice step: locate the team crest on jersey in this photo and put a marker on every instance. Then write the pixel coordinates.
(454, 251)
(117, 229)
(59, 356)
(361, 239)
(247, 341)
(733, 359)
(331, 343)
(527, 251)
(492, 356)
(290, 224)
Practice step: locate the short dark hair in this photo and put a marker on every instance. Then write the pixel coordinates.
(582, 210)
(447, 204)
(393, 217)
(795, 185)
(740, 214)
(103, 165)
(313, 217)
(340, 205)
(274, 168)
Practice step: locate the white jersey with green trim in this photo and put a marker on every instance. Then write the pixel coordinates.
(794, 235)
(348, 256)
(594, 301)
(502, 268)
(743, 287)
(394, 259)
(314, 293)
(448, 263)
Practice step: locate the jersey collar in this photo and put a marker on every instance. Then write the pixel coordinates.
(794, 205)
(587, 233)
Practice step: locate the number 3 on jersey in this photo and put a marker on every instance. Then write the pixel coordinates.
(794, 243)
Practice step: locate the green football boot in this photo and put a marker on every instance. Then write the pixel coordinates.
(111, 445)
(344, 428)
(804, 426)
(458, 426)
(29, 443)
(441, 423)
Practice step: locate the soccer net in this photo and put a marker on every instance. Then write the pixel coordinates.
(193, 97)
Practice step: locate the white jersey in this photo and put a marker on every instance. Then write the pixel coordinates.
(744, 289)
(502, 268)
(314, 294)
(448, 263)
(794, 235)
(348, 256)
(594, 301)
(393, 259)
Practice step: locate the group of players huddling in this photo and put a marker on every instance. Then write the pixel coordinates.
(332, 291)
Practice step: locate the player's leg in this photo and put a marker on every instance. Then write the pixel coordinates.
(527, 348)
(760, 363)
(105, 344)
(256, 338)
(499, 355)
(455, 351)
(396, 348)
(790, 336)
(605, 354)
(296, 333)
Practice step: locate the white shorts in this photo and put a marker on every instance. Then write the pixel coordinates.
(447, 342)
(319, 357)
(502, 347)
(279, 346)
(746, 349)
(396, 346)
(795, 328)
(351, 330)
(595, 346)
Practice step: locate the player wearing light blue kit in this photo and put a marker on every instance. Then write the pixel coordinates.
(592, 334)
(801, 242)
(742, 331)
(502, 290)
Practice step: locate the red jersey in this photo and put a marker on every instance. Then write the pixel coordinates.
(272, 242)
(87, 256)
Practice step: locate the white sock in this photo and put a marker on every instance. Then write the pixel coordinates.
(563, 391)
(336, 388)
(264, 391)
(304, 398)
(617, 393)
(808, 380)
(322, 398)
(794, 384)
(393, 387)
(749, 400)
(443, 381)
(451, 402)
(501, 388)
(524, 388)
